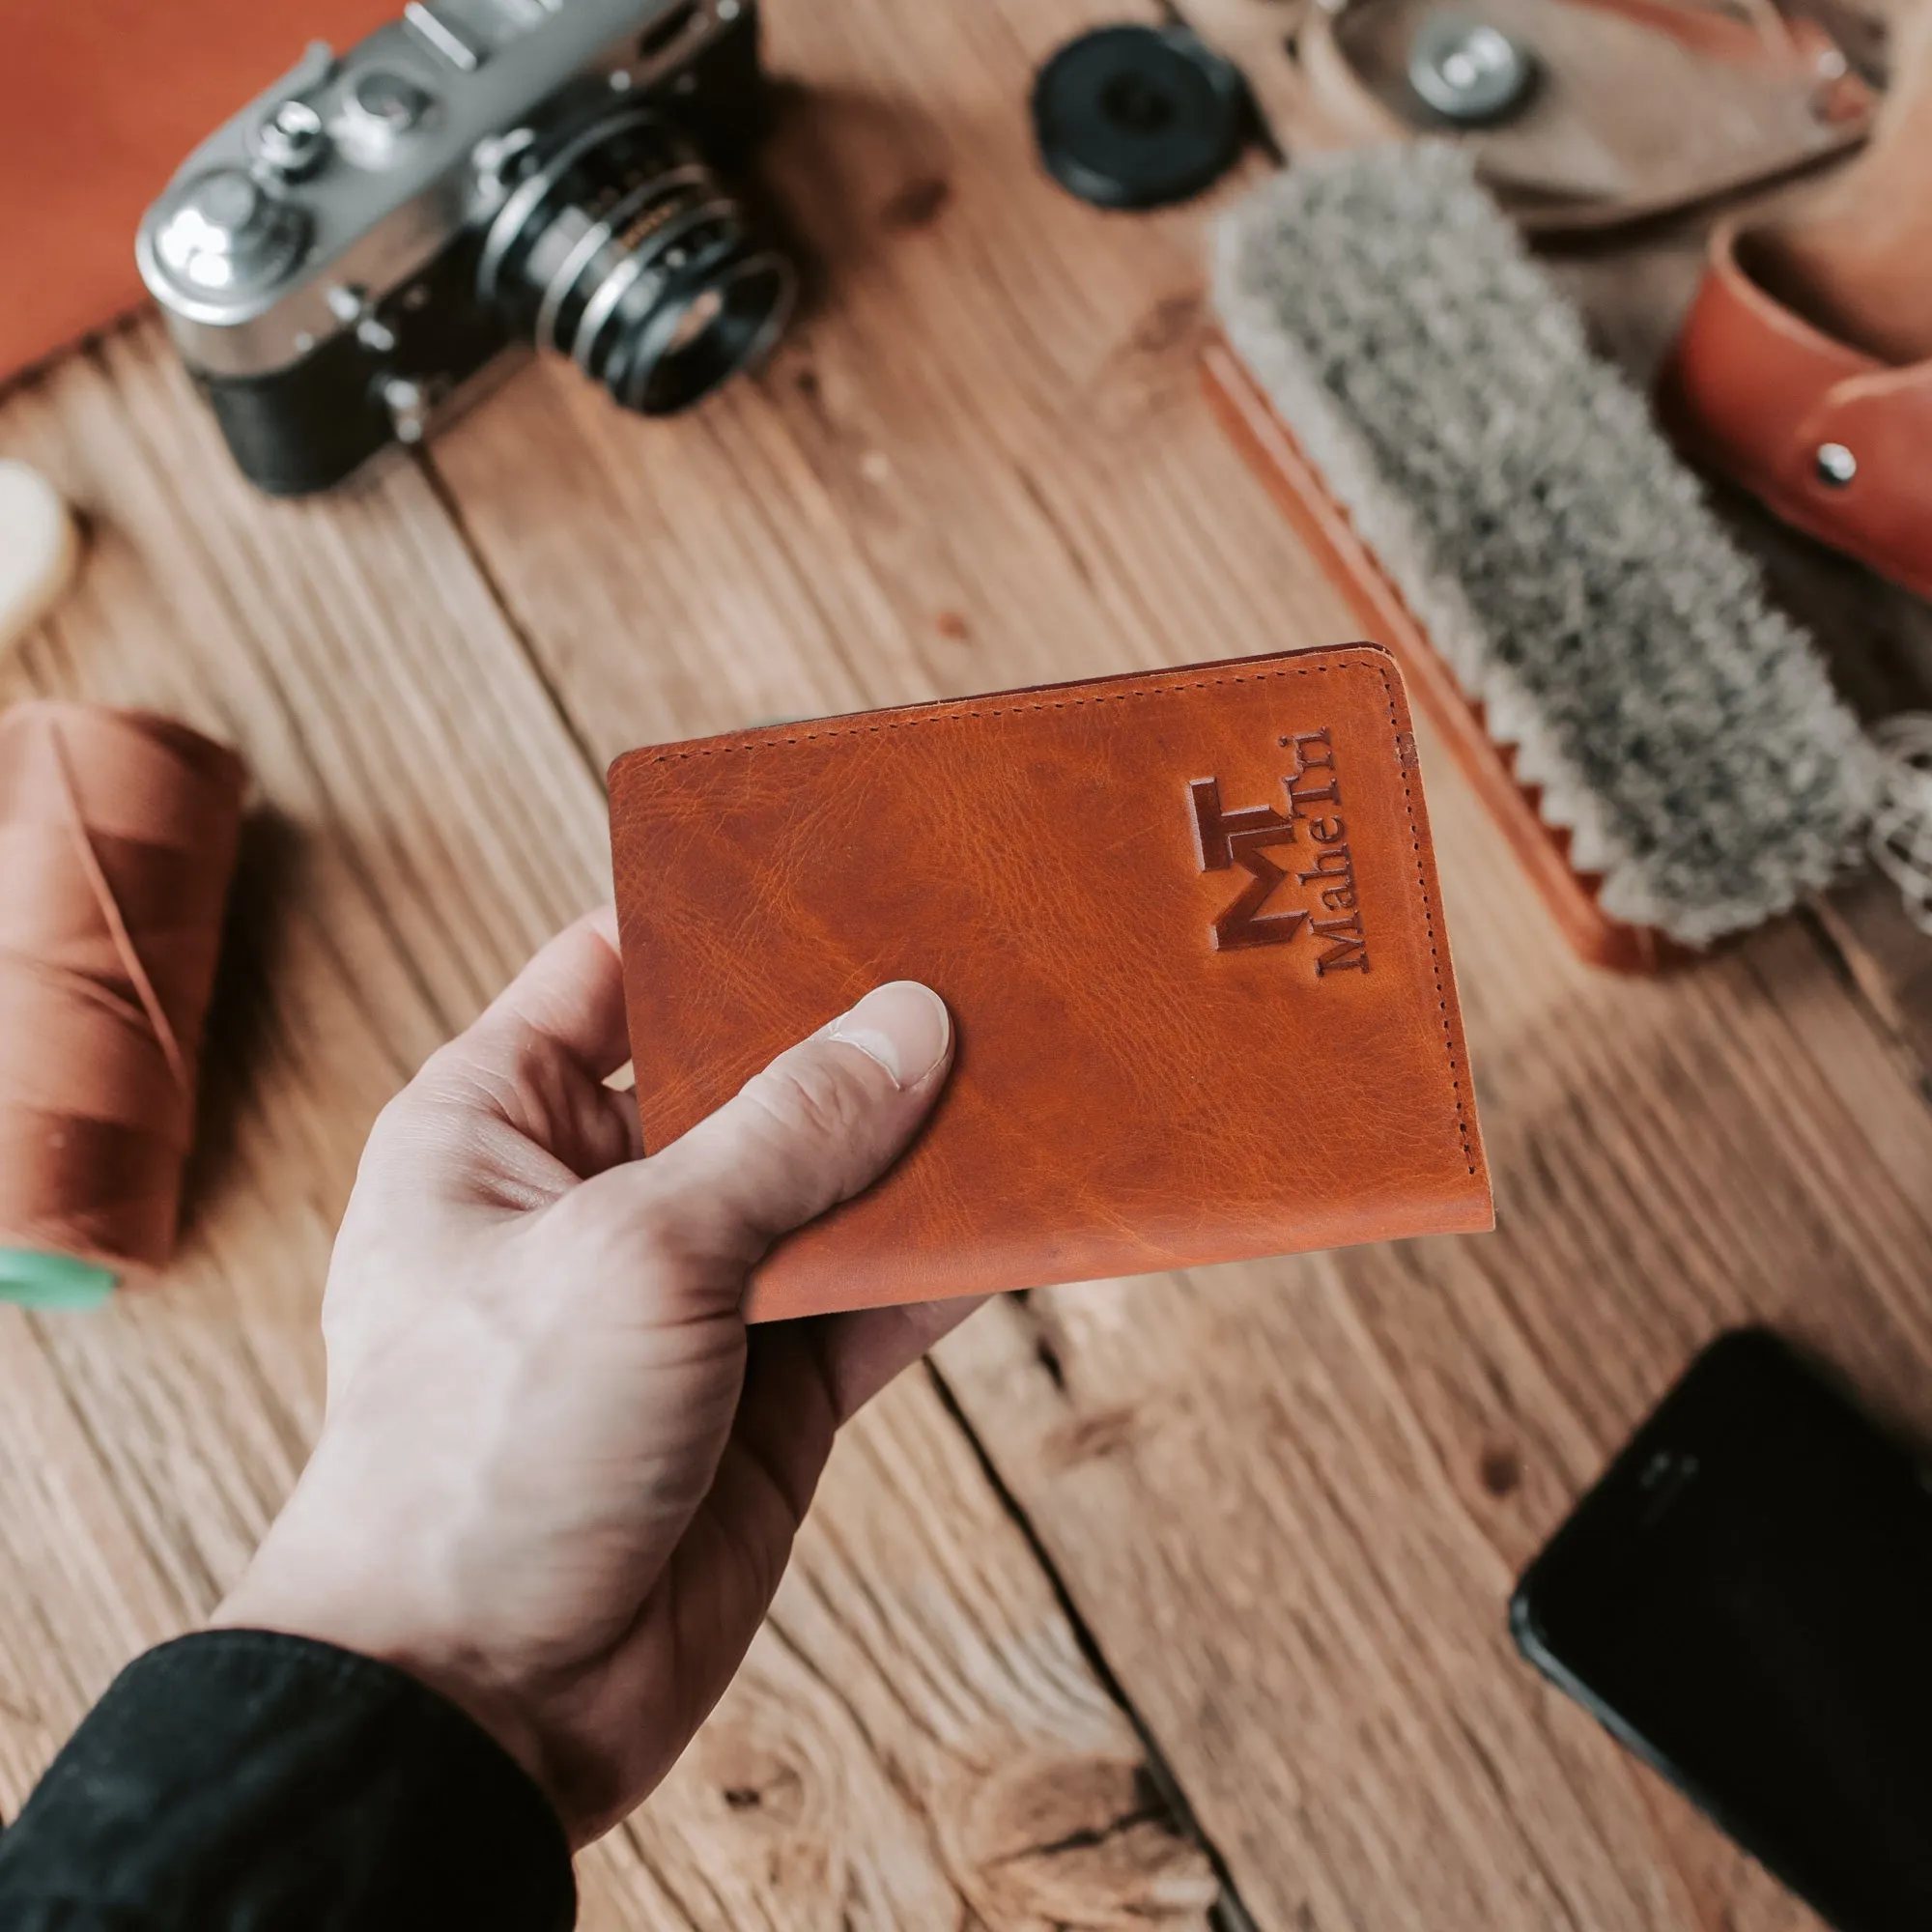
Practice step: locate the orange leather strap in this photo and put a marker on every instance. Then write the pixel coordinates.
(1755, 392)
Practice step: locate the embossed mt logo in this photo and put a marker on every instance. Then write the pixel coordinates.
(1244, 838)
(1226, 838)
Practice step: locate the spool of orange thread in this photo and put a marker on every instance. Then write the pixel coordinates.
(118, 832)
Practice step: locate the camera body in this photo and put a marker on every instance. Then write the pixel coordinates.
(345, 253)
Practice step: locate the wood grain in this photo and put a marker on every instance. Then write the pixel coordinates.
(424, 816)
(962, 466)
(1288, 1500)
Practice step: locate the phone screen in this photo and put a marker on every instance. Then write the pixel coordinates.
(1745, 1599)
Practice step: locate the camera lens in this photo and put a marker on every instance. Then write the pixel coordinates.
(617, 247)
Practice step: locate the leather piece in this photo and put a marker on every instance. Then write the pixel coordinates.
(1640, 106)
(99, 103)
(1751, 390)
(1130, 1092)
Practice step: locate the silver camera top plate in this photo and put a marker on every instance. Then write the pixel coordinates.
(352, 174)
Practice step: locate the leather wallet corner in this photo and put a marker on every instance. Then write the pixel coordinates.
(1188, 927)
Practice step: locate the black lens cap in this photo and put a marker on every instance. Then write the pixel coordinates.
(1138, 117)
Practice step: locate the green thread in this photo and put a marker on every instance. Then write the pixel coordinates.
(36, 1279)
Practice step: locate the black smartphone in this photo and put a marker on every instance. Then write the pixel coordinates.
(1745, 1600)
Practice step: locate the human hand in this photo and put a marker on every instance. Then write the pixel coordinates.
(557, 1477)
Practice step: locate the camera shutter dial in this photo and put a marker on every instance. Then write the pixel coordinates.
(224, 236)
(292, 140)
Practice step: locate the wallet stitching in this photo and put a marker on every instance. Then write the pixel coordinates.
(945, 713)
(1428, 918)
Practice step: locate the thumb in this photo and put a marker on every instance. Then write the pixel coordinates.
(822, 1122)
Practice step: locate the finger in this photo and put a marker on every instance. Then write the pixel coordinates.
(571, 995)
(804, 1381)
(860, 1352)
(786, 1415)
(515, 1104)
(826, 1119)
(621, 1102)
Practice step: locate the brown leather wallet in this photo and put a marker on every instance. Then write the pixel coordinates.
(1188, 927)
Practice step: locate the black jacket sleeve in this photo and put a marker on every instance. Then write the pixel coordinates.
(239, 1782)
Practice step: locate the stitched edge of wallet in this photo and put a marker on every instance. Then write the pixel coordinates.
(947, 710)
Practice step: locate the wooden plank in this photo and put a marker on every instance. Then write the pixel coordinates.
(424, 816)
(1288, 1500)
(917, 1727)
(958, 466)
(78, 1592)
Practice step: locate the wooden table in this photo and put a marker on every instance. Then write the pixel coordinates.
(1176, 1603)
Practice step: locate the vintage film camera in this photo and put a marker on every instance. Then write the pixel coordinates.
(346, 253)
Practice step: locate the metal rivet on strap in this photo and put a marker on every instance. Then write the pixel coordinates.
(1468, 72)
(1837, 464)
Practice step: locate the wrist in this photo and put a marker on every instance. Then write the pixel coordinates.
(297, 1590)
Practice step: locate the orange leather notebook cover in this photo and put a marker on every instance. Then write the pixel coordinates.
(1188, 927)
(101, 101)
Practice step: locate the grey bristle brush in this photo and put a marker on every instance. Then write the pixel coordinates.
(1481, 479)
